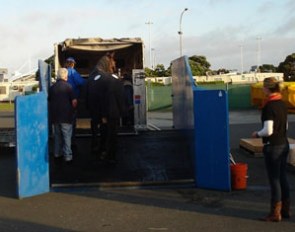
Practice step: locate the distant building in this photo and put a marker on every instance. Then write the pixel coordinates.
(245, 78)
(3, 74)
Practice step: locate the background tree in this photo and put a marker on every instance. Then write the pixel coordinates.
(199, 65)
(160, 70)
(288, 68)
(267, 68)
(149, 72)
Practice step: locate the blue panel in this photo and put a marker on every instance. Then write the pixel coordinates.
(45, 76)
(31, 118)
(211, 139)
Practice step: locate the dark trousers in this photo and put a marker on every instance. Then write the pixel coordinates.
(109, 139)
(275, 157)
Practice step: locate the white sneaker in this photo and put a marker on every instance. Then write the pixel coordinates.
(68, 158)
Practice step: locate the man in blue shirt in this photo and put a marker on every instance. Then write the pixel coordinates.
(76, 81)
(74, 78)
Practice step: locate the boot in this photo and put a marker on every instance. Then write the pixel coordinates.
(275, 213)
(286, 212)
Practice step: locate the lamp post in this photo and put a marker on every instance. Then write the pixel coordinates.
(180, 31)
(258, 53)
(153, 58)
(149, 23)
(242, 59)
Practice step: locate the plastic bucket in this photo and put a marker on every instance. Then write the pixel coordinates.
(239, 176)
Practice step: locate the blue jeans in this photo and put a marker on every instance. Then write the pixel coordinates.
(62, 139)
(275, 157)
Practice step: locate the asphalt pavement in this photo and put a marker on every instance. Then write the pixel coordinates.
(175, 207)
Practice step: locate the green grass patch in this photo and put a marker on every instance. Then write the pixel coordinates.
(6, 106)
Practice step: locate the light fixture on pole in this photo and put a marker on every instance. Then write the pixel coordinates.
(149, 23)
(180, 31)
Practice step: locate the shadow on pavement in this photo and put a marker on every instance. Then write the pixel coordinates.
(8, 225)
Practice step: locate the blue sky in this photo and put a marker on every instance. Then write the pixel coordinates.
(225, 31)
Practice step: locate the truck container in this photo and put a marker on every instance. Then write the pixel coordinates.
(128, 57)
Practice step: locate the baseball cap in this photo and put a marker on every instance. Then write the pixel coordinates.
(70, 59)
(270, 82)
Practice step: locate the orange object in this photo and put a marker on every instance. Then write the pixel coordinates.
(239, 176)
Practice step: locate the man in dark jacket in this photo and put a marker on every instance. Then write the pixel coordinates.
(96, 99)
(116, 109)
(62, 103)
(105, 101)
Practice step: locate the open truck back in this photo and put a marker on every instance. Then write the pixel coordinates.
(128, 57)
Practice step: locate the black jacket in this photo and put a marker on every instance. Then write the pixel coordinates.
(105, 95)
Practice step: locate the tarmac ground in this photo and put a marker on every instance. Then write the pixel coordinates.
(175, 206)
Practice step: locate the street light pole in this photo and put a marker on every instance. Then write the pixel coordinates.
(180, 31)
(242, 59)
(149, 23)
(153, 59)
(258, 52)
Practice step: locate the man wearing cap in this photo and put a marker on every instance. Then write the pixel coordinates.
(76, 81)
(74, 78)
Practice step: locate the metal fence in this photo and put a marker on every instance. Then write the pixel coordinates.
(239, 96)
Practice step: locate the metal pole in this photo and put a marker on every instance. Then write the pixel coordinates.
(153, 59)
(258, 52)
(149, 23)
(180, 31)
(242, 60)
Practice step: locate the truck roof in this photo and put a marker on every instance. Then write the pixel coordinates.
(99, 44)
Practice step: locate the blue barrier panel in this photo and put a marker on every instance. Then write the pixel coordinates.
(206, 112)
(212, 139)
(31, 123)
(45, 76)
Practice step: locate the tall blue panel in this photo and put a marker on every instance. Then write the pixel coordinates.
(211, 139)
(45, 76)
(31, 125)
(32, 144)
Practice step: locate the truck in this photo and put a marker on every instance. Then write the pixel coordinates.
(128, 56)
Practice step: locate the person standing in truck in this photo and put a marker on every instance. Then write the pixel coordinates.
(76, 81)
(105, 101)
(62, 104)
(96, 98)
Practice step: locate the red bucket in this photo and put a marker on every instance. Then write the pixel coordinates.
(239, 176)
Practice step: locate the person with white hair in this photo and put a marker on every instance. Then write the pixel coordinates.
(62, 103)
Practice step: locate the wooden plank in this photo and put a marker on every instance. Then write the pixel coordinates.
(255, 145)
